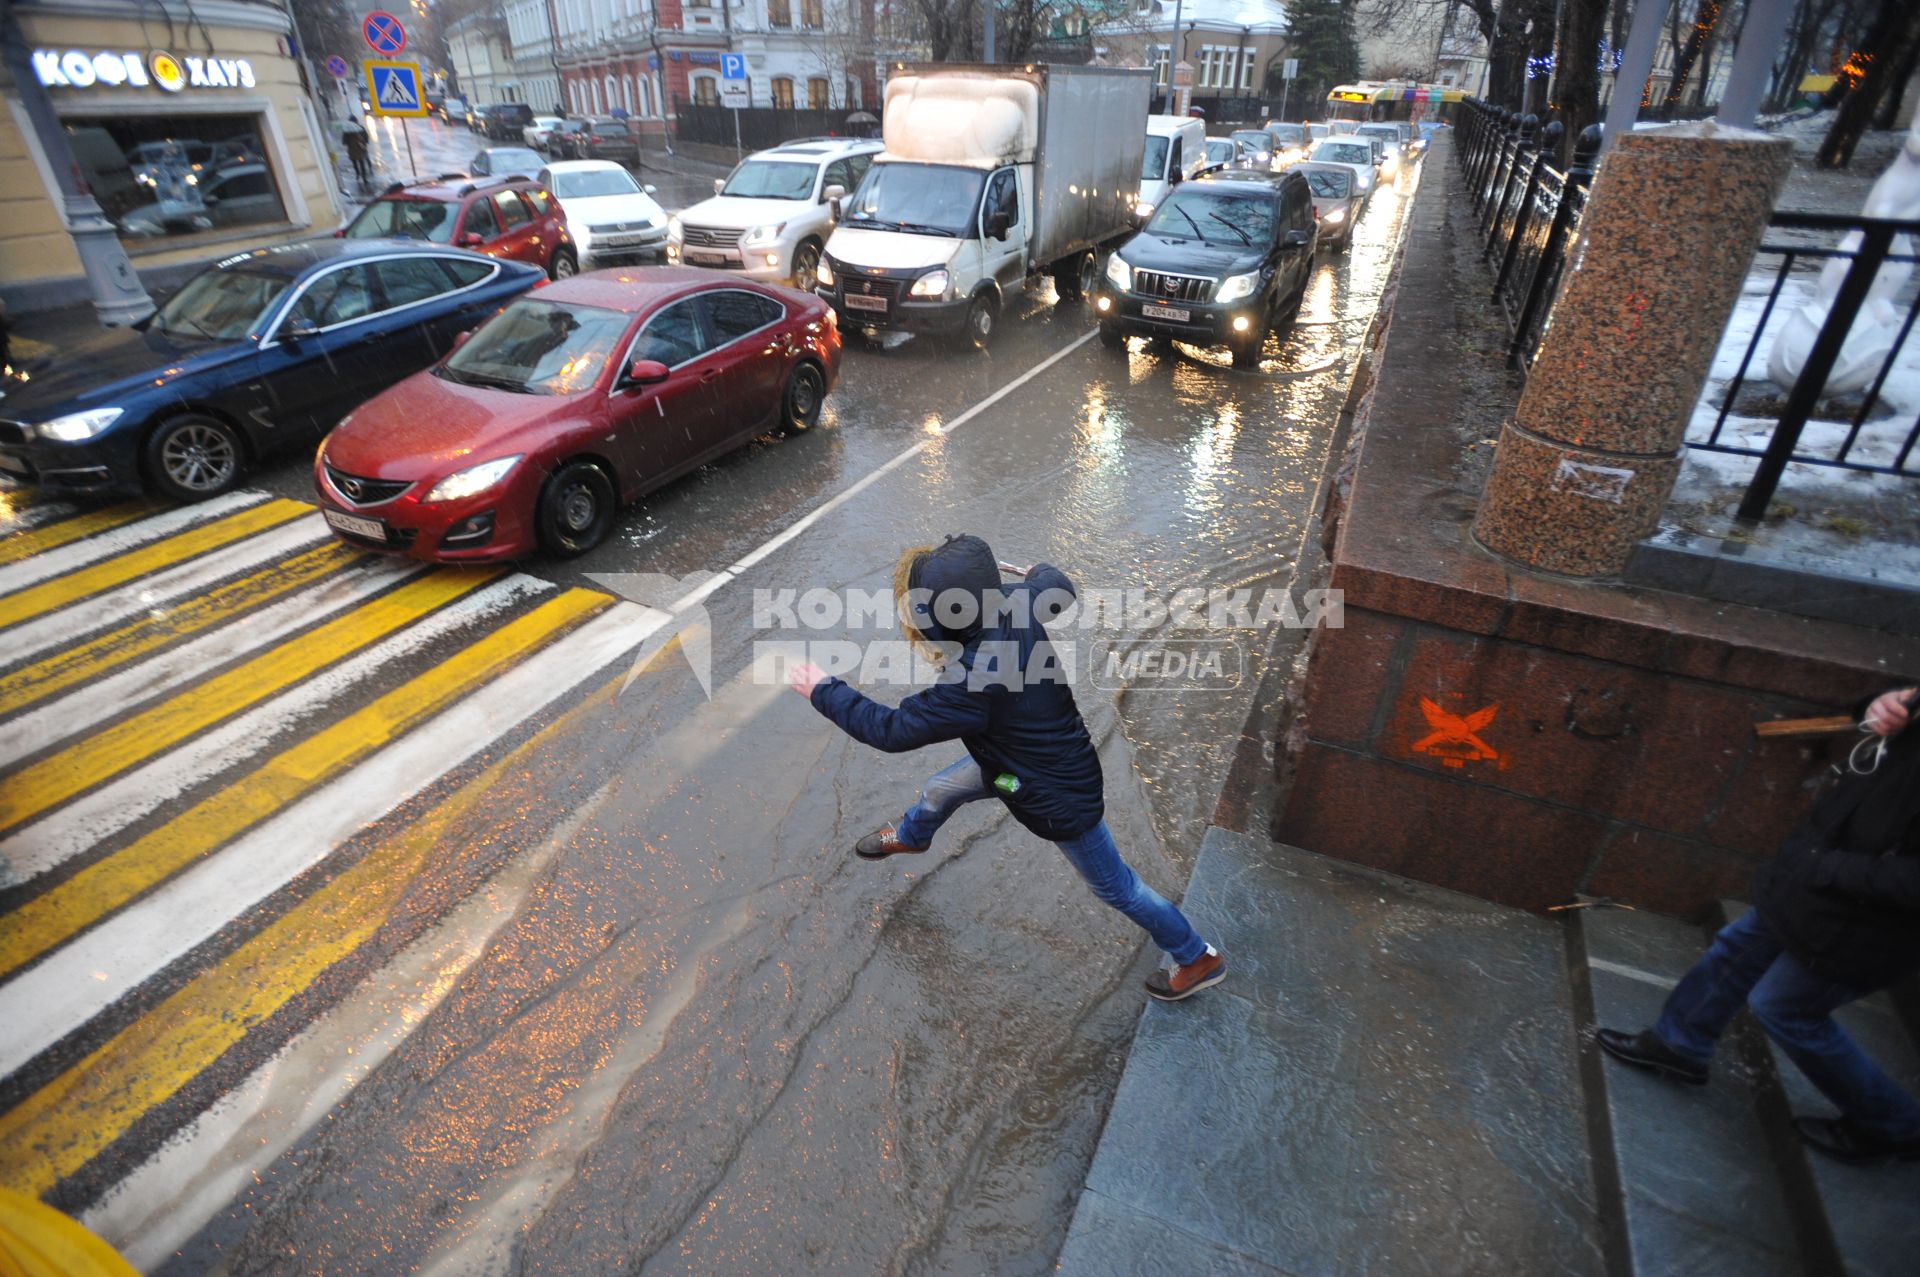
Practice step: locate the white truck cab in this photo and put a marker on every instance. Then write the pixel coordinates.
(1176, 150)
(771, 216)
(992, 175)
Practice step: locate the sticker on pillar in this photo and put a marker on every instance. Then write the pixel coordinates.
(1596, 483)
(1455, 738)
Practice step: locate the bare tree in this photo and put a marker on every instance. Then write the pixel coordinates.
(1576, 63)
(1896, 30)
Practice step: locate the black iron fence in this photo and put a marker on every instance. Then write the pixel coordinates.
(1841, 349)
(760, 126)
(1529, 211)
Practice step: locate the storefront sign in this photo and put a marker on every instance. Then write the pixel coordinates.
(76, 69)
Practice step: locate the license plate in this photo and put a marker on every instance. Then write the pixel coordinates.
(1166, 312)
(707, 259)
(372, 529)
(13, 465)
(858, 301)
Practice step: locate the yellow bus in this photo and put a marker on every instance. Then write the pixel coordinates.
(1393, 101)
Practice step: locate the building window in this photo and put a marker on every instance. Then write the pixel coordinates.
(1161, 57)
(811, 16)
(706, 90)
(779, 14)
(819, 93)
(170, 177)
(782, 93)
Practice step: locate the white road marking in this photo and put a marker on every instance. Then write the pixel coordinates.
(61, 628)
(33, 516)
(100, 814)
(104, 545)
(95, 702)
(73, 984)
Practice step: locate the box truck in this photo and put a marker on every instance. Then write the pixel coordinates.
(991, 176)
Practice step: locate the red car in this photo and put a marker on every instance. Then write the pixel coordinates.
(571, 400)
(517, 219)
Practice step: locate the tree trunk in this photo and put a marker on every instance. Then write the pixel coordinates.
(1902, 76)
(1704, 19)
(1896, 28)
(1511, 45)
(1577, 82)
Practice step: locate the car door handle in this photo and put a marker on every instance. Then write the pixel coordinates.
(709, 374)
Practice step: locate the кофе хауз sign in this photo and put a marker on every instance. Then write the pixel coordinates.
(78, 69)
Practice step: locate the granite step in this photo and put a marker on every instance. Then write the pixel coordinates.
(1387, 1083)
(1687, 1175)
(1872, 1212)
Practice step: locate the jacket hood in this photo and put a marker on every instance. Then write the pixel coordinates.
(957, 585)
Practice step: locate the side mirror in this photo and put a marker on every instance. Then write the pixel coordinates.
(296, 329)
(1298, 239)
(461, 339)
(998, 224)
(833, 194)
(718, 183)
(471, 239)
(651, 189)
(645, 372)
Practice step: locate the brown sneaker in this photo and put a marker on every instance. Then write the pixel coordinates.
(881, 843)
(1203, 972)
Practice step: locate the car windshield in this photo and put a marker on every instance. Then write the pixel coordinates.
(219, 305)
(1214, 217)
(1222, 150)
(588, 183)
(922, 198)
(1254, 138)
(514, 159)
(1330, 183)
(771, 180)
(1344, 152)
(538, 347)
(1153, 166)
(405, 219)
(1290, 134)
(1385, 134)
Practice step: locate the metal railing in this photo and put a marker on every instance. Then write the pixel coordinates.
(1877, 445)
(1528, 210)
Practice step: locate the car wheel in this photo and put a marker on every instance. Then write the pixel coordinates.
(981, 317)
(576, 509)
(1112, 338)
(564, 266)
(1075, 278)
(806, 392)
(191, 457)
(806, 266)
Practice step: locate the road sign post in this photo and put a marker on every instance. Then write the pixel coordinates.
(1289, 70)
(735, 91)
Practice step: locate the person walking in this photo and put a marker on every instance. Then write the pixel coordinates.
(1005, 700)
(1836, 916)
(354, 135)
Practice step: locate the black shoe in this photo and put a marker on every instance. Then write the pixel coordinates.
(881, 843)
(1647, 1050)
(1844, 1142)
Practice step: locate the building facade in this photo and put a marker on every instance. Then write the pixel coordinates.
(530, 49)
(191, 147)
(1232, 46)
(482, 61)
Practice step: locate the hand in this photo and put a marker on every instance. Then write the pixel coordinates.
(1016, 569)
(1887, 716)
(806, 676)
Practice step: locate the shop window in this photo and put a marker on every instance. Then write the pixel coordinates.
(165, 177)
(819, 93)
(782, 93)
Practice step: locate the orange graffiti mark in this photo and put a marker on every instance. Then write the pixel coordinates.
(1455, 739)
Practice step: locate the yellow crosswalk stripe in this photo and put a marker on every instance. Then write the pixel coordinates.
(106, 652)
(59, 1128)
(121, 568)
(13, 500)
(27, 544)
(59, 776)
(52, 918)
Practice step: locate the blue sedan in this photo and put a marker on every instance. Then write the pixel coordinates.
(258, 354)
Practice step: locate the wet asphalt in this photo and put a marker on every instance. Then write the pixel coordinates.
(699, 1036)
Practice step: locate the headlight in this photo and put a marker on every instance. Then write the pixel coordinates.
(76, 426)
(932, 284)
(1119, 274)
(759, 236)
(1336, 217)
(673, 228)
(473, 480)
(1234, 287)
(1142, 209)
(823, 273)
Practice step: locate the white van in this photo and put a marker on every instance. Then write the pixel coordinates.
(1176, 151)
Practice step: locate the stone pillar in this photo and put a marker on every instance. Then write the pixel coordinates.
(1587, 463)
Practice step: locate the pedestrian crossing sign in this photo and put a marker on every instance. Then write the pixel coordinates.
(393, 88)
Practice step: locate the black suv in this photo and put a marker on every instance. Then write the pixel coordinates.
(504, 120)
(1223, 260)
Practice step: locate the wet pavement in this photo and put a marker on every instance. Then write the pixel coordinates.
(624, 1001)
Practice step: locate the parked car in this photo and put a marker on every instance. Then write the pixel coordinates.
(1176, 150)
(1259, 144)
(535, 134)
(599, 137)
(1224, 153)
(1225, 259)
(515, 219)
(258, 354)
(611, 217)
(570, 401)
(1392, 145)
(505, 161)
(453, 110)
(558, 142)
(771, 216)
(1336, 201)
(505, 120)
(1356, 154)
(1290, 142)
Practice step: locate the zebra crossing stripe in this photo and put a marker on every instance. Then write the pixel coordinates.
(39, 540)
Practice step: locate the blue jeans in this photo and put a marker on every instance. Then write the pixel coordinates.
(1092, 853)
(1746, 964)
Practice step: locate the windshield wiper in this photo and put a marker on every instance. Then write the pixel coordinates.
(922, 226)
(1197, 233)
(197, 327)
(1244, 237)
(484, 379)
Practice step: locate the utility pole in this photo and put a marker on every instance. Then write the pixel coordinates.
(1174, 54)
(119, 298)
(987, 51)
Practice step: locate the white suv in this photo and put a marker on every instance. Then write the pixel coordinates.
(769, 218)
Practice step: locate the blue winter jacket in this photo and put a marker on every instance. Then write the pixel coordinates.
(1018, 723)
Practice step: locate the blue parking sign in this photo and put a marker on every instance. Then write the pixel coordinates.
(733, 66)
(393, 88)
